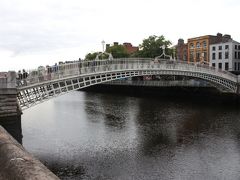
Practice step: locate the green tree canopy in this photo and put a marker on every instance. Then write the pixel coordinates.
(118, 51)
(91, 56)
(152, 47)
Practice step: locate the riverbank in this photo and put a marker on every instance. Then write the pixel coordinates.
(17, 163)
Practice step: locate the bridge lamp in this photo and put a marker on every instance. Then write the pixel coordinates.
(103, 45)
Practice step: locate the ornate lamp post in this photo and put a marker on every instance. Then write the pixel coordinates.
(103, 45)
(163, 47)
(110, 57)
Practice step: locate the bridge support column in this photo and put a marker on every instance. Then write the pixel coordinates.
(238, 85)
(10, 114)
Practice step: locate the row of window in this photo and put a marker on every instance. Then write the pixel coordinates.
(236, 55)
(237, 47)
(198, 54)
(220, 66)
(219, 47)
(236, 66)
(220, 55)
(198, 45)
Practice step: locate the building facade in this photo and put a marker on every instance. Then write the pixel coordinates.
(226, 56)
(130, 48)
(199, 47)
(181, 50)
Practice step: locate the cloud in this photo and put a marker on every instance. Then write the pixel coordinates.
(45, 27)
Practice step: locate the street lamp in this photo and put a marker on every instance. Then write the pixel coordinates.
(163, 47)
(103, 45)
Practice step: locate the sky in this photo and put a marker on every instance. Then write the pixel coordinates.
(43, 32)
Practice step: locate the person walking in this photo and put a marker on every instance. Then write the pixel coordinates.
(25, 75)
(19, 78)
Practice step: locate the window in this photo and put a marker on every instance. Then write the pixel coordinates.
(185, 55)
(235, 55)
(226, 47)
(219, 47)
(204, 44)
(238, 66)
(235, 66)
(198, 56)
(219, 55)
(191, 46)
(191, 56)
(205, 56)
(213, 56)
(220, 65)
(226, 55)
(238, 55)
(236, 47)
(198, 44)
(214, 48)
(239, 47)
(226, 66)
(213, 64)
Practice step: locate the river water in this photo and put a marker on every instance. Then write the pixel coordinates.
(86, 135)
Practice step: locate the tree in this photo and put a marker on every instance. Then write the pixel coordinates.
(91, 56)
(151, 47)
(117, 51)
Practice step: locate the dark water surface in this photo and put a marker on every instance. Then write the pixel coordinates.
(85, 135)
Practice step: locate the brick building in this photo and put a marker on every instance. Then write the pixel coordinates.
(181, 50)
(199, 47)
(130, 48)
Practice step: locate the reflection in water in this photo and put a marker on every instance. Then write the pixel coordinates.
(103, 136)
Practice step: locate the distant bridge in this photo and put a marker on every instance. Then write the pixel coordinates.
(45, 83)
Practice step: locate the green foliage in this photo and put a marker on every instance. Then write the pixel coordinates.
(118, 51)
(91, 56)
(151, 47)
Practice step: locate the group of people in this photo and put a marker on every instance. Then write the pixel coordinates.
(21, 77)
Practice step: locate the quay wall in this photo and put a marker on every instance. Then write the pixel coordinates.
(17, 163)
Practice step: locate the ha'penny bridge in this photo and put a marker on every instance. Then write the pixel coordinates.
(44, 83)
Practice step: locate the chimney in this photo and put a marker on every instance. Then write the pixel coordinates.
(219, 38)
(180, 42)
(226, 38)
(219, 35)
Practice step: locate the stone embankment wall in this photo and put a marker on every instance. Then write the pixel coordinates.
(17, 163)
(10, 114)
(8, 94)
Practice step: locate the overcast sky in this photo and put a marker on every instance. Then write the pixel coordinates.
(42, 32)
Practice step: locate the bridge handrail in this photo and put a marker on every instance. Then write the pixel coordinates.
(83, 67)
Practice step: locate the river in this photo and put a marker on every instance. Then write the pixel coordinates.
(87, 135)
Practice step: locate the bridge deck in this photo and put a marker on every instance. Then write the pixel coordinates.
(45, 83)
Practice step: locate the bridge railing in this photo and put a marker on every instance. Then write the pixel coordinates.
(56, 72)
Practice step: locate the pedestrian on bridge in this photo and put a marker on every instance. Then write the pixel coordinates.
(24, 75)
(19, 78)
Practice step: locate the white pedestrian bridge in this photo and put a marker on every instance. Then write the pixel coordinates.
(45, 83)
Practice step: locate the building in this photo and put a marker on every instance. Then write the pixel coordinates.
(181, 50)
(226, 56)
(198, 47)
(130, 48)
